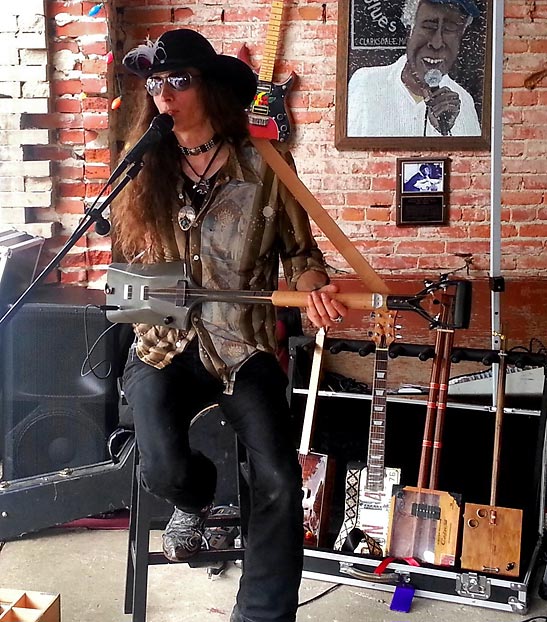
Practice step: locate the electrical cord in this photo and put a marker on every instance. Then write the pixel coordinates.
(324, 593)
(89, 350)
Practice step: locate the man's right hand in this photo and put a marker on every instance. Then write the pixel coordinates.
(443, 108)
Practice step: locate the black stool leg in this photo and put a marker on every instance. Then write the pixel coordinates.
(142, 537)
(136, 590)
(139, 557)
(130, 569)
(243, 484)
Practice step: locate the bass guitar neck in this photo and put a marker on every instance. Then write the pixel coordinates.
(161, 294)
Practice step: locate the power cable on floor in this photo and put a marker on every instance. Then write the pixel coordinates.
(327, 591)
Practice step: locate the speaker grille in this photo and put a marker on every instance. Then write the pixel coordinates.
(46, 351)
(55, 416)
(54, 437)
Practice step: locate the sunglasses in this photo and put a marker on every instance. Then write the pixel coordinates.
(181, 82)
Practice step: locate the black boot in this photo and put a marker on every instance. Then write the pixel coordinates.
(184, 534)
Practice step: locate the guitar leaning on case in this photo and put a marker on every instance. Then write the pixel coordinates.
(369, 487)
(317, 469)
(424, 521)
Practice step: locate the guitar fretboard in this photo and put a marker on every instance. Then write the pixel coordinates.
(272, 40)
(377, 433)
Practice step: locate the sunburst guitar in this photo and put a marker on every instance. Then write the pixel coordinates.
(369, 486)
(267, 115)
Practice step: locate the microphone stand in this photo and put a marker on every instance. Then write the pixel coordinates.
(92, 215)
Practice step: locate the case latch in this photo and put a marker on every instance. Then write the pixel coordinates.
(472, 585)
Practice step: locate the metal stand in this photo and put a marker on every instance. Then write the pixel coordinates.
(92, 216)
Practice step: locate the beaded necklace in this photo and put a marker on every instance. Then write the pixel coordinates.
(192, 151)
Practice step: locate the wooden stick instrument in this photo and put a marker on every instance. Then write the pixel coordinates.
(424, 521)
(492, 535)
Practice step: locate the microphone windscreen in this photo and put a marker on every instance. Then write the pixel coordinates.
(163, 123)
(433, 78)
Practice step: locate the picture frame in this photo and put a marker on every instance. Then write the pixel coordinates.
(372, 111)
(422, 191)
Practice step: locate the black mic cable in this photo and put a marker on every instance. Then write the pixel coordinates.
(433, 79)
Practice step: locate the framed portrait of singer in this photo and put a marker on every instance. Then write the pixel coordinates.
(413, 74)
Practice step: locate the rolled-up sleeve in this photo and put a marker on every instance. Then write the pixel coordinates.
(299, 251)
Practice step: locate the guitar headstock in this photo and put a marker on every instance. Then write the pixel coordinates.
(384, 331)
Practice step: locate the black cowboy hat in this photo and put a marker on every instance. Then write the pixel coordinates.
(185, 48)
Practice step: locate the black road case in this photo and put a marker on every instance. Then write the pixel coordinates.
(342, 429)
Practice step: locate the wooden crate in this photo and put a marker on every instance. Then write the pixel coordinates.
(24, 606)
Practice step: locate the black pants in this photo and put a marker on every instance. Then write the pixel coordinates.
(165, 401)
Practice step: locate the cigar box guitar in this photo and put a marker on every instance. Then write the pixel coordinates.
(317, 468)
(424, 521)
(491, 534)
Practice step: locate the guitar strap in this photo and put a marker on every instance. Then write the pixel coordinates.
(351, 510)
(320, 216)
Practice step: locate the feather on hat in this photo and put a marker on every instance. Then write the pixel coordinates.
(185, 48)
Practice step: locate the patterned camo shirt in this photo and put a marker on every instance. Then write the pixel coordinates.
(247, 224)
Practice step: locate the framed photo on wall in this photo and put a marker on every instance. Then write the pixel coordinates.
(413, 74)
(422, 191)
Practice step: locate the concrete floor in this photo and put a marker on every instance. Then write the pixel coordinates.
(87, 568)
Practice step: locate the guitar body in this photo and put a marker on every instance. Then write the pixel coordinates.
(317, 479)
(267, 115)
(317, 469)
(492, 539)
(423, 524)
(367, 510)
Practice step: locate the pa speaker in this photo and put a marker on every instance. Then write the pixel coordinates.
(59, 404)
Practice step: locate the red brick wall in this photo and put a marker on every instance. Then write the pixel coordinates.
(356, 187)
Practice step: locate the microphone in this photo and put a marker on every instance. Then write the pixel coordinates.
(433, 78)
(161, 125)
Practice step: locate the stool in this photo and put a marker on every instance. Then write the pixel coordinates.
(144, 511)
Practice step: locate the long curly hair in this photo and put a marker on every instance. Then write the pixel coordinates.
(143, 210)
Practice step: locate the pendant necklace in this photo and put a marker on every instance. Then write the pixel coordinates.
(187, 213)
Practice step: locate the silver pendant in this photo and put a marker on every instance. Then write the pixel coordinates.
(201, 187)
(186, 217)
